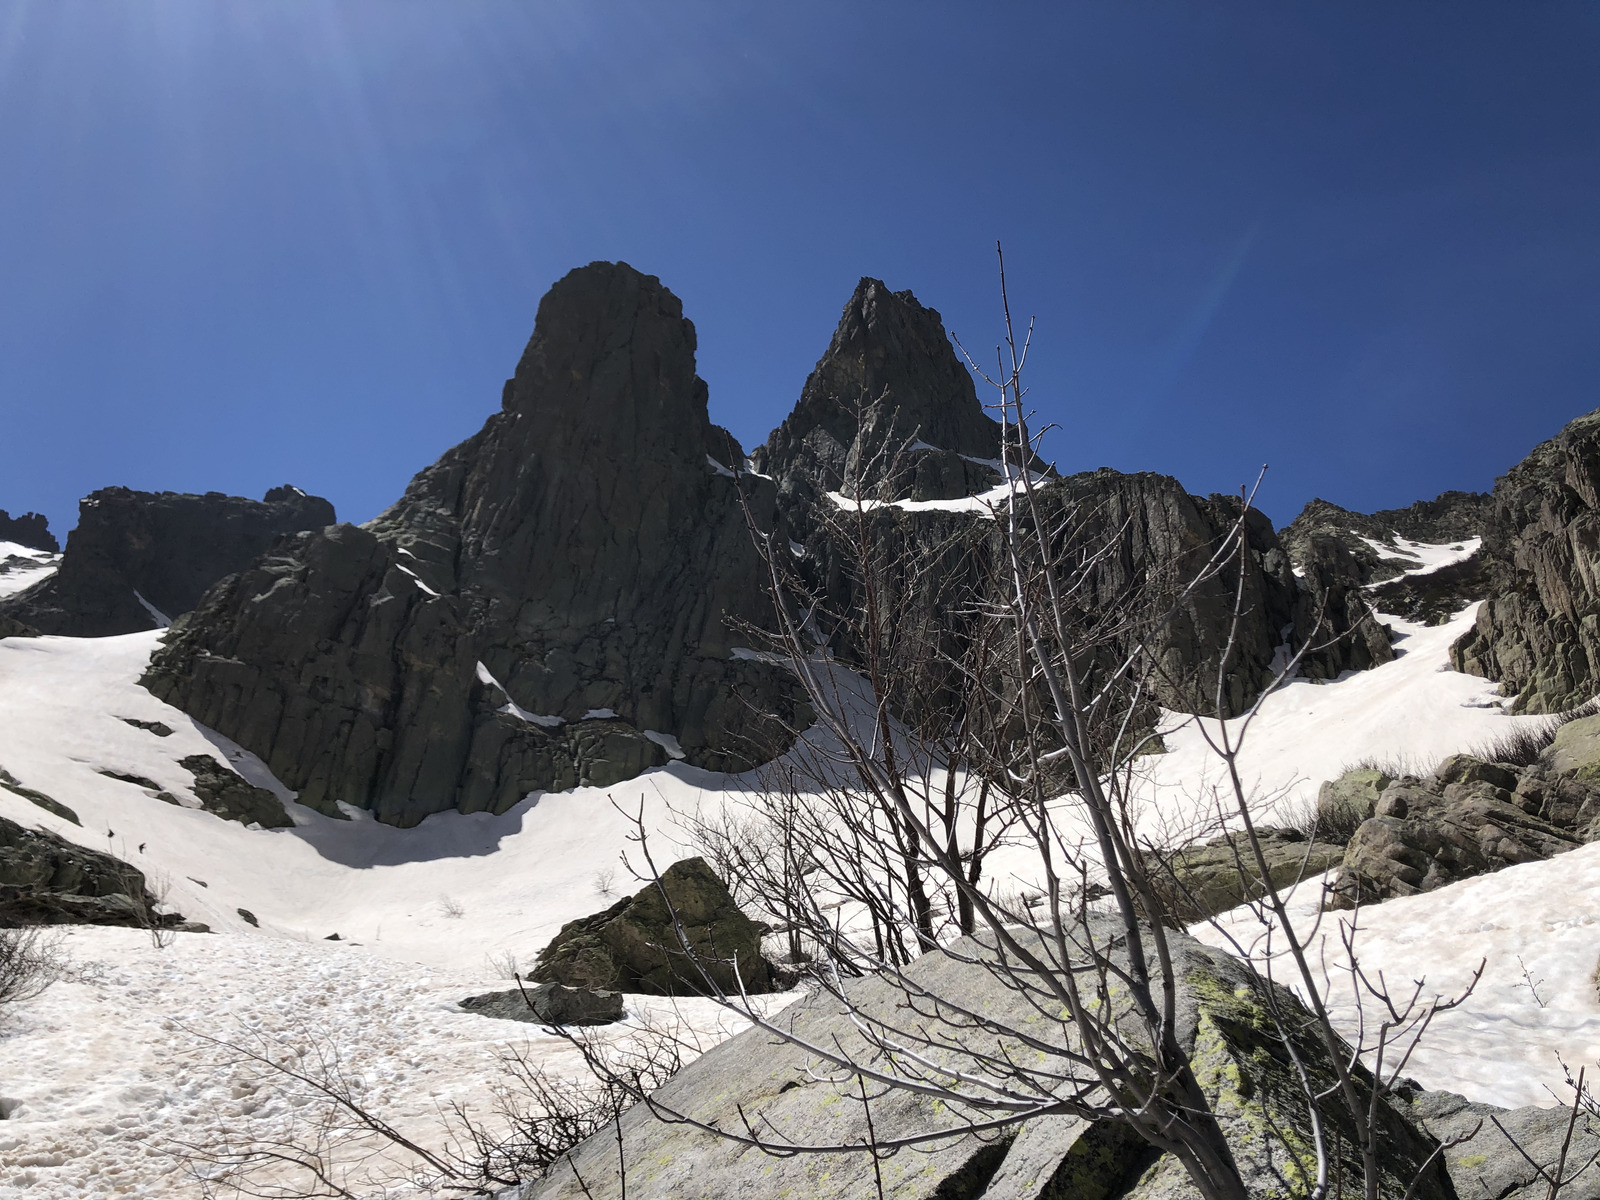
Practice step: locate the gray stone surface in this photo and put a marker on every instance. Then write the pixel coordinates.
(584, 547)
(1355, 791)
(1489, 1167)
(549, 1004)
(1539, 633)
(783, 1090)
(633, 947)
(167, 547)
(46, 880)
(1223, 873)
(1469, 817)
(1576, 749)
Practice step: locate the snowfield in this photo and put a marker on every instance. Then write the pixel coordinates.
(109, 1072)
(22, 566)
(104, 1069)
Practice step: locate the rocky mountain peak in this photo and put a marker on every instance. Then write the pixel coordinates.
(28, 529)
(554, 602)
(889, 381)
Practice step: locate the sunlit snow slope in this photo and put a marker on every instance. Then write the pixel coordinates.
(97, 1068)
(22, 566)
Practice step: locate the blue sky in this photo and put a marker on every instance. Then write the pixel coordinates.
(247, 243)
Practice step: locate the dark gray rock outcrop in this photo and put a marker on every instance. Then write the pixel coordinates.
(1469, 817)
(783, 1090)
(549, 1004)
(1539, 632)
(13, 628)
(891, 380)
(138, 559)
(889, 403)
(1449, 517)
(550, 604)
(47, 880)
(1434, 597)
(225, 793)
(34, 796)
(1199, 881)
(633, 946)
(29, 529)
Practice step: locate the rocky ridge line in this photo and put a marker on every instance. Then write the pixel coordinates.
(139, 559)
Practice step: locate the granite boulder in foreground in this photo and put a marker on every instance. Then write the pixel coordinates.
(1243, 1068)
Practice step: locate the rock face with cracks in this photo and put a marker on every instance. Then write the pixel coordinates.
(1469, 817)
(46, 880)
(135, 555)
(227, 794)
(550, 604)
(888, 398)
(780, 1088)
(1539, 632)
(633, 946)
(565, 598)
(1450, 517)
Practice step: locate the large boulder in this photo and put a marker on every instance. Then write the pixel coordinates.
(225, 792)
(1539, 632)
(759, 1080)
(139, 559)
(555, 602)
(47, 880)
(1493, 1163)
(634, 946)
(1353, 795)
(1199, 881)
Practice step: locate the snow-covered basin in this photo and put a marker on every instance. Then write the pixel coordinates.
(108, 1072)
(1412, 712)
(513, 879)
(89, 1062)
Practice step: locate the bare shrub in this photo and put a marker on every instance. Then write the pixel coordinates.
(450, 908)
(1316, 821)
(30, 961)
(339, 1144)
(504, 965)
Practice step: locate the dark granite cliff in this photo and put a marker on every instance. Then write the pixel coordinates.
(1539, 631)
(553, 602)
(134, 555)
(29, 529)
